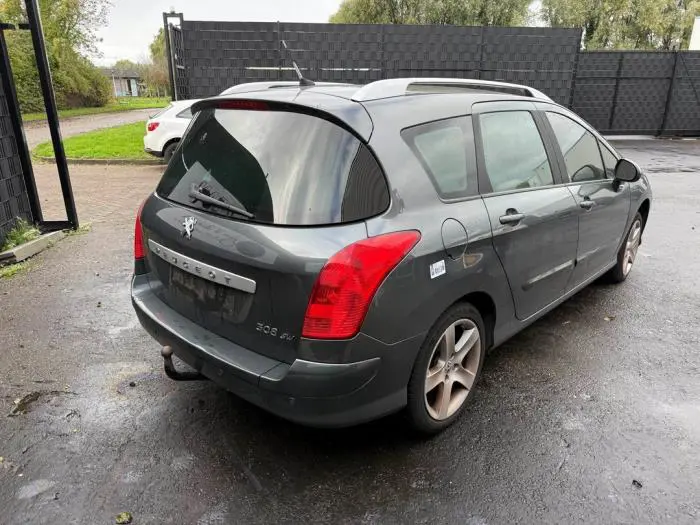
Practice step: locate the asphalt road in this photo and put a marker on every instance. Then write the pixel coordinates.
(38, 132)
(592, 415)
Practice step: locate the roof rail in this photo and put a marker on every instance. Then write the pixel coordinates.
(397, 87)
(260, 86)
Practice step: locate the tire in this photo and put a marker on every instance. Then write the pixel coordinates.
(169, 151)
(624, 266)
(432, 411)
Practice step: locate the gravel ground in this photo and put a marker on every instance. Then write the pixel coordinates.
(578, 419)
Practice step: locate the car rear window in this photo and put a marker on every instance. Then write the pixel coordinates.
(280, 167)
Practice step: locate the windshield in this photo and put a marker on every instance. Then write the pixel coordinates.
(277, 167)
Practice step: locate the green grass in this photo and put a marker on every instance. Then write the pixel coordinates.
(121, 104)
(21, 233)
(118, 143)
(11, 270)
(82, 229)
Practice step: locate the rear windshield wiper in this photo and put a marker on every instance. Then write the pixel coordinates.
(198, 195)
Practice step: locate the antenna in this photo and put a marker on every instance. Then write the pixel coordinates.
(302, 81)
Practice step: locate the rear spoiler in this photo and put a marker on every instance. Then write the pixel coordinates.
(342, 112)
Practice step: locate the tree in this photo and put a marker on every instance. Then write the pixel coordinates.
(126, 66)
(456, 12)
(158, 76)
(69, 32)
(69, 23)
(625, 24)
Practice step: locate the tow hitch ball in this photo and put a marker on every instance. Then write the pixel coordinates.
(173, 373)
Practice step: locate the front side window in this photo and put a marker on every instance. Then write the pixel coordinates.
(579, 148)
(445, 149)
(514, 153)
(609, 160)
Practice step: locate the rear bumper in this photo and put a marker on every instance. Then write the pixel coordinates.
(155, 153)
(311, 393)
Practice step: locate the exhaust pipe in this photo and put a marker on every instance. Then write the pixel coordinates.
(173, 373)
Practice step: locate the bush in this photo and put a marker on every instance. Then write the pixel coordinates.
(21, 52)
(76, 81)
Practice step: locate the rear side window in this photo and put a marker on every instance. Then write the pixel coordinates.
(579, 148)
(445, 149)
(186, 113)
(279, 167)
(514, 153)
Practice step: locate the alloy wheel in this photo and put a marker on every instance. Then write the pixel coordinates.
(452, 369)
(632, 246)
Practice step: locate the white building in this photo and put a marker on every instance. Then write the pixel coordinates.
(694, 44)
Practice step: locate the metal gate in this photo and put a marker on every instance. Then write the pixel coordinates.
(619, 92)
(639, 92)
(19, 198)
(176, 55)
(218, 55)
(14, 157)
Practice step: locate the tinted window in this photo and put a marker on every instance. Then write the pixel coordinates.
(514, 153)
(282, 167)
(579, 147)
(609, 160)
(446, 151)
(187, 113)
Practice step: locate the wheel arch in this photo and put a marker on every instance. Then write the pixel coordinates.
(643, 210)
(486, 306)
(168, 142)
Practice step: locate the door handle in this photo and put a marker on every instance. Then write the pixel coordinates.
(511, 218)
(587, 204)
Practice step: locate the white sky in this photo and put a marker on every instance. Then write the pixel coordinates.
(133, 23)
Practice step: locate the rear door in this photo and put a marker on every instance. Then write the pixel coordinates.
(247, 213)
(533, 219)
(603, 205)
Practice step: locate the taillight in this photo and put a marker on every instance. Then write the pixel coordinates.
(139, 253)
(152, 126)
(348, 281)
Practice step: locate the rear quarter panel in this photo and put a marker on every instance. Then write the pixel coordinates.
(409, 301)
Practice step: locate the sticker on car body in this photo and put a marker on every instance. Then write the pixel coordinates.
(437, 269)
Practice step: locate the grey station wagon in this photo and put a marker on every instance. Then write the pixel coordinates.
(334, 254)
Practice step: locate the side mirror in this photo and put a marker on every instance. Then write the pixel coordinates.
(627, 171)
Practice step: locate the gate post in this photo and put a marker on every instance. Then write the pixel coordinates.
(280, 58)
(617, 89)
(669, 94)
(574, 73)
(481, 54)
(169, 52)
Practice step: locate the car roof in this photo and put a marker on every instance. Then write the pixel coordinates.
(396, 87)
(356, 105)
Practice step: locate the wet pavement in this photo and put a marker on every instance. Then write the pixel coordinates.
(591, 415)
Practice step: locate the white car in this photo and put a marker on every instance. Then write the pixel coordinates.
(165, 129)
